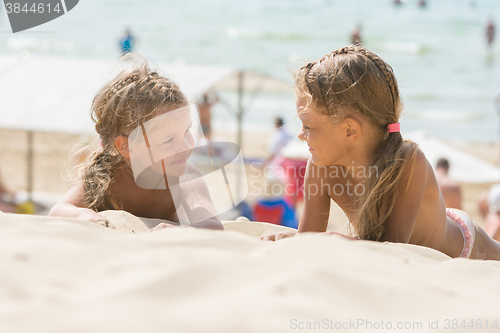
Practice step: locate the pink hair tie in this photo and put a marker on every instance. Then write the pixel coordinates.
(395, 127)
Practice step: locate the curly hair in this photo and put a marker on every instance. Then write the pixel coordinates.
(122, 104)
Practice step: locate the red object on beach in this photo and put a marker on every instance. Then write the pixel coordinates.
(294, 173)
(264, 213)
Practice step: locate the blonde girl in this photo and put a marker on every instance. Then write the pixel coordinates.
(124, 109)
(349, 105)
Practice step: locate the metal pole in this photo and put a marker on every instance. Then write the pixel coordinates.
(30, 165)
(497, 107)
(240, 130)
(240, 109)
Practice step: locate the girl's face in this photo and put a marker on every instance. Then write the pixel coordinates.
(172, 141)
(163, 144)
(323, 136)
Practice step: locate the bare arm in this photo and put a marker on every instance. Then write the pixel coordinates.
(316, 208)
(316, 202)
(197, 202)
(73, 205)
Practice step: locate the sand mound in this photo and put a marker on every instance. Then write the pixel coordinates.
(63, 275)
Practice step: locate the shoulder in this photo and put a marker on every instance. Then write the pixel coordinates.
(75, 195)
(417, 168)
(415, 156)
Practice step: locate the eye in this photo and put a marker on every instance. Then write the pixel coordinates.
(168, 141)
(305, 127)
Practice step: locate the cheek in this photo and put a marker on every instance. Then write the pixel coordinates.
(167, 155)
(190, 139)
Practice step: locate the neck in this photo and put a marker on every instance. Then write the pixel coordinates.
(359, 168)
(361, 160)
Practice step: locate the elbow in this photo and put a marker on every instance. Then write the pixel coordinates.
(54, 211)
(218, 227)
(212, 224)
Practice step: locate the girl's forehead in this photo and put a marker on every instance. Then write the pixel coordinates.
(172, 109)
(171, 120)
(300, 101)
(304, 107)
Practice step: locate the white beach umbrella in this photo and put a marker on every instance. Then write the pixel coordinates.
(464, 167)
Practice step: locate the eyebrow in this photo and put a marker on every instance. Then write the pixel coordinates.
(170, 135)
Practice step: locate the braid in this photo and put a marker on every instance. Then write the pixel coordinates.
(97, 177)
(352, 80)
(317, 82)
(386, 69)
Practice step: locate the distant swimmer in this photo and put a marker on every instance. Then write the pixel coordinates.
(356, 36)
(490, 32)
(127, 42)
(397, 2)
(422, 3)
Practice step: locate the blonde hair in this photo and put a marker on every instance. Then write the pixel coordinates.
(121, 105)
(354, 80)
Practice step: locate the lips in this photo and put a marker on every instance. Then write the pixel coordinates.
(181, 160)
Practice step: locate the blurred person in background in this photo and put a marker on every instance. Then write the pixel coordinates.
(127, 42)
(489, 208)
(279, 139)
(356, 36)
(451, 191)
(205, 104)
(490, 33)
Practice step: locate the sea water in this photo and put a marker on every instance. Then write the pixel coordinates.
(448, 77)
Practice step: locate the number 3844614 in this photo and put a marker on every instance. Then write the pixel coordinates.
(470, 324)
(18, 7)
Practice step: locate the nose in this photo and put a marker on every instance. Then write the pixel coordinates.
(302, 135)
(187, 143)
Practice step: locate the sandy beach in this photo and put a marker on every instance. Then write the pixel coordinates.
(64, 275)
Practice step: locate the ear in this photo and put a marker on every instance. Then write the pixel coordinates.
(121, 143)
(352, 129)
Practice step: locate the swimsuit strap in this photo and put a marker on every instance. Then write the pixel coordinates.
(467, 232)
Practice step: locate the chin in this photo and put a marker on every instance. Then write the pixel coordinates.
(317, 161)
(176, 170)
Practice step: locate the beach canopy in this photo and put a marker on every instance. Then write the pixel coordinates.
(55, 94)
(464, 167)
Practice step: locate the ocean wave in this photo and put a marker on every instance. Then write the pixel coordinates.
(398, 47)
(456, 116)
(26, 43)
(247, 33)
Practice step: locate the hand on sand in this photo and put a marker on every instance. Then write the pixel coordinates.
(90, 215)
(278, 236)
(336, 233)
(161, 226)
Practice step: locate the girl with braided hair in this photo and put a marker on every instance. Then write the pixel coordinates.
(144, 124)
(349, 105)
